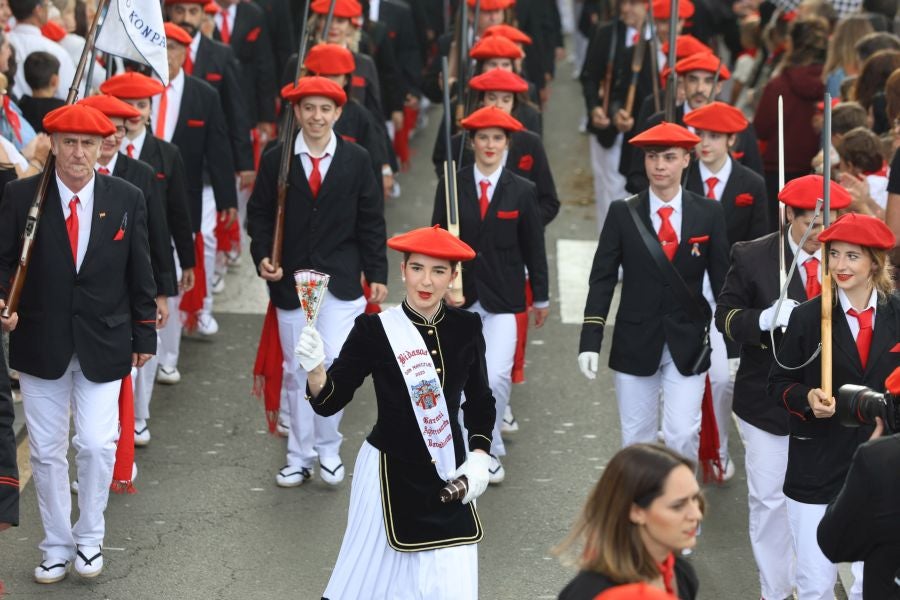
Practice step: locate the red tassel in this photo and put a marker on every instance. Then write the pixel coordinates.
(192, 300)
(228, 237)
(401, 137)
(709, 439)
(268, 370)
(123, 468)
(371, 307)
(257, 147)
(518, 370)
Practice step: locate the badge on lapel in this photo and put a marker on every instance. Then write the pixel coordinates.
(695, 243)
(121, 232)
(745, 199)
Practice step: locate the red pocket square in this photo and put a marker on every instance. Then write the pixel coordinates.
(253, 34)
(196, 122)
(896, 348)
(737, 155)
(745, 199)
(214, 77)
(526, 162)
(119, 235)
(357, 81)
(507, 214)
(160, 176)
(700, 239)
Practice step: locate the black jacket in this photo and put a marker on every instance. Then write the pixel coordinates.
(342, 232)
(588, 584)
(202, 138)
(510, 238)
(863, 521)
(746, 219)
(102, 313)
(397, 17)
(751, 286)
(649, 315)
(165, 160)
(357, 125)
(9, 470)
(820, 450)
(281, 30)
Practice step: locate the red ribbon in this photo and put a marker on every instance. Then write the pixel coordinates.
(192, 300)
(228, 237)
(268, 370)
(709, 438)
(518, 370)
(124, 467)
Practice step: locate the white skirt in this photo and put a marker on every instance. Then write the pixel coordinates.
(368, 568)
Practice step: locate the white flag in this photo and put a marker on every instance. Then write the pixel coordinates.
(133, 29)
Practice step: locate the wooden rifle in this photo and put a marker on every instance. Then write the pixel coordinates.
(32, 220)
(463, 90)
(328, 20)
(671, 96)
(287, 149)
(637, 63)
(606, 88)
(827, 295)
(451, 193)
(654, 61)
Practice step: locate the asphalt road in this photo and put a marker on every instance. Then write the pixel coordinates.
(209, 522)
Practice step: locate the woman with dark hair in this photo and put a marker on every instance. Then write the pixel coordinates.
(800, 83)
(645, 510)
(869, 91)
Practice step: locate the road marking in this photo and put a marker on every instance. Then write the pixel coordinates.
(574, 259)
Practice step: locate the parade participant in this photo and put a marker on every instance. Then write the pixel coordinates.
(500, 218)
(666, 240)
(87, 315)
(865, 326)
(399, 542)
(333, 223)
(164, 159)
(745, 313)
(498, 52)
(645, 510)
(9, 471)
(606, 125)
(189, 115)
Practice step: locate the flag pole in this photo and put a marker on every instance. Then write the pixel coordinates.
(827, 295)
(32, 220)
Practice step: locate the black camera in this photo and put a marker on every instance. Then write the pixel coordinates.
(858, 405)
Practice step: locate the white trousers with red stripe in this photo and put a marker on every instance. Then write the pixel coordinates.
(94, 408)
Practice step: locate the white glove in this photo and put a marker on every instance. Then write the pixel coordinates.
(476, 471)
(588, 362)
(310, 349)
(768, 320)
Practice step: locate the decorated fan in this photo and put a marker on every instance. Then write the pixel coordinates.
(311, 286)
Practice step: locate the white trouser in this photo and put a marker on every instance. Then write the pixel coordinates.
(208, 218)
(722, 384)
(500, 336)
(311, 435)
(169, 337)
(609, 184)
(815, 573)
(243, 196)
(682, 397)
(765, 456)
(143, 380)
(95, 408)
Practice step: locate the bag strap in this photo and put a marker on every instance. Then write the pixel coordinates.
(683, 294)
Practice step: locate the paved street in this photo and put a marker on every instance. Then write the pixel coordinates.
(209, 522)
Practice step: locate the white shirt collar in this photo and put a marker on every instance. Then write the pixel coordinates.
(656, 203)
(27, 29)
(801, 255)
(722, 176)
(137, 142)
(300, 146)
(177, 82)
(195, 43)
(85, 194)
(493, 178)
(845, 301)
(111, 166)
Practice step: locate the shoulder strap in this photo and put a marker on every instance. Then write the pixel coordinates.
(673, 278)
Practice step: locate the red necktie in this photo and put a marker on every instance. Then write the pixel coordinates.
(130, 150)
(161, 114)
(315, 177)
(711, 189)
(483, 200)
(667, 236)
(813, 287)
(103, 171)
(667, 570)
(225, 32)
(864, 337)
(188, 64)
(72, 227)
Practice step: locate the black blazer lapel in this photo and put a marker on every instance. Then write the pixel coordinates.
(467, 199)
(796, 291)
(643, 209)
(103, 204)
(843, 338)
(336, 170)
(204, 54)
(55, 221)
(689, 218)
(884, 333)
(150, 152)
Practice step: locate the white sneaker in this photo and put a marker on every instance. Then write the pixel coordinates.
(141, 433)
(207, 325)
(496, 472)
(331, 469)
(167, 376)
(729, 470)
(232, 259)
(282, 428)
(509, 423)
(51, 570)
(289, 477)
(218, 284)
(89, 561)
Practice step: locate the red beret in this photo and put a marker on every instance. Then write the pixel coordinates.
(662, 10)
(686, 45)
(329, 59)
(111, 106)
(171, 2)
(804, 192)
(634, 591)
(498, 80)
(53, 31)
(491, 116)
(77, 118)
(666, 135)
(314, 86)
(820, 105)
(211, 8)
(702, 62)
(176, 34)
(132, 85)
(892, 383)
(864, 230)
(492, 4)
(495, 46)
(509, 32)
(717, 116)
(345, 9)
(434, 242)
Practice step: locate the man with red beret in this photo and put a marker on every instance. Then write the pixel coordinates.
(333, 223)
(745, 314)
(86, 316)
(666, 241)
